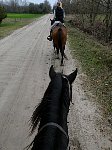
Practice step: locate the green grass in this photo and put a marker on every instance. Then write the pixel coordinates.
(100, 17)
(15, 21)
(14, 15)
(96, 60)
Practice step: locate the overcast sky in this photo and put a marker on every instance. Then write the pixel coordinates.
(40, 1)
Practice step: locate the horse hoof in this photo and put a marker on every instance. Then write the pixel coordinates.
(57, 57)
(65, 57)
(55, 52)
(62, 65)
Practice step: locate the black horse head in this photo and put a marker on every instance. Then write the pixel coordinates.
(51, 114)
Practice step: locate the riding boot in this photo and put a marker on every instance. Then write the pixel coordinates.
(50, 36)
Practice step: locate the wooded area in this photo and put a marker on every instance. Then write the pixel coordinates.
(23, 6)
(91, 16)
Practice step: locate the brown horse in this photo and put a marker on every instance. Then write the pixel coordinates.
(59, 36)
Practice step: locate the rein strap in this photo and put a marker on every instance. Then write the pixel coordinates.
(56, 125)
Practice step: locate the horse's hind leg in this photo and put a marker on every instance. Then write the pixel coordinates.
(65, 54)
(54, 49)
(54, 46)
(57, 49)
(62, 54)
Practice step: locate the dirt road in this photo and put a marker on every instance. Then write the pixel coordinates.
(25, 59)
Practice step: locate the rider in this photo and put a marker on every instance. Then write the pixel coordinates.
(58, 17)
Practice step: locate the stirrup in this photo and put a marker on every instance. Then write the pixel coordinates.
(49, 38)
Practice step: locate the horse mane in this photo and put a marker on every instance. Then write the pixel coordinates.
(36, 117)
(37, 114)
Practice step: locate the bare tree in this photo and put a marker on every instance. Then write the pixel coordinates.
(92, 14)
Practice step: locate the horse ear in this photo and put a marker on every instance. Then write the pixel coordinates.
(52, 72)
(72, 76)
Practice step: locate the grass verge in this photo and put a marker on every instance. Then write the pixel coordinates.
(96, 61)
(14, 15)
(15, 21)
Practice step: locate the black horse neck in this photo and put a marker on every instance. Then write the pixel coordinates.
(55, 111)
(57, 101)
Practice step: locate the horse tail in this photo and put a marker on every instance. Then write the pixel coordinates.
(60, 38)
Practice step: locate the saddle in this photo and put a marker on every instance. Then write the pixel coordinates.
(61, 25)
(57, 24)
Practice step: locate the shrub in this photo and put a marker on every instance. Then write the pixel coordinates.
(3, 13)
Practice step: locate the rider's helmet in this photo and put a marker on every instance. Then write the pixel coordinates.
(59, 4)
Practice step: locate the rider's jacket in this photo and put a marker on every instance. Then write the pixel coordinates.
(59, 14)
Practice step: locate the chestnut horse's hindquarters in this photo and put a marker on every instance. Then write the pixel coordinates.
(59, 35)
